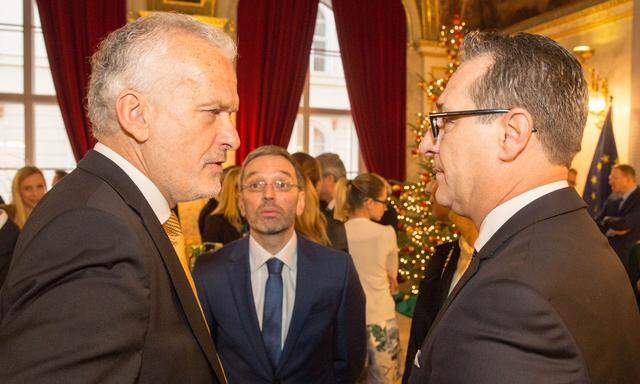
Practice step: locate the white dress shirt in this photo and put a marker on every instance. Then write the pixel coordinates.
(503, 212)
(258, 257)
(374, 252)
(151, 193)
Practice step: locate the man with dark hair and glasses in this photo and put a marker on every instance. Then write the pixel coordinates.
(280, 307)
(544, 299)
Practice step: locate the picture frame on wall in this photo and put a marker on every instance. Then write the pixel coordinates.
(192, 7)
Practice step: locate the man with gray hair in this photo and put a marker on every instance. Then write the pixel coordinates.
(333, 170)
(99, 289)
(544, 299)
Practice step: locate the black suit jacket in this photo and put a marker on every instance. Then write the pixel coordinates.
(211, 206)
(217, 229)
(326, 341)
(96, 293)
(433, 291)
(626, 217)
(335, 229)
(545, 301)
(8, 237)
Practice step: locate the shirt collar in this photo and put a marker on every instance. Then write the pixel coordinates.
(258, 255)
(503, 212)
(151, 193)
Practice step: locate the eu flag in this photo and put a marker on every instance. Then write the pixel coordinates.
(597, 188)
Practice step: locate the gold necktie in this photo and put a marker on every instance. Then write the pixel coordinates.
(174, 231)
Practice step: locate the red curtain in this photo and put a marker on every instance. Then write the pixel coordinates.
(373, 45)
(72, 30)
(274, 42)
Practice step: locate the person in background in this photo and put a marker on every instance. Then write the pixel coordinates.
(224, 224)
(58, 175)
(374, 251)
(444, 269)
(310, 167)
(212, 204)
(572, 176)
(619, 220)
(333, 172)
(311, 223)
(281, 308)
(9, 233)
(27, 189)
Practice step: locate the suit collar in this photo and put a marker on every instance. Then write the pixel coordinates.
(550, 205)
(105, 169)
(149, 190)
(500, 214)
(630, 201)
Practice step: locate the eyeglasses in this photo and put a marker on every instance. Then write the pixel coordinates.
(261, 185)
(436, 119)
(379, 201)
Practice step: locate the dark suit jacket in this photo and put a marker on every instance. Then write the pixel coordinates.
(211, 206)
(326, 341)
(217, 229)
(626, 217)
(433, 291)
(96, 293)
(8, 237)
(545, 301)
(335, 229)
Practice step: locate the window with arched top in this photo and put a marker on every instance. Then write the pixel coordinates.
(324, 122)
(31, 128)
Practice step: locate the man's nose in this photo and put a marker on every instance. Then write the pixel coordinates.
(428, 145)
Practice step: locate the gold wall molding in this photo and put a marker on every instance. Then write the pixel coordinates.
(555, 19)
(590, 25)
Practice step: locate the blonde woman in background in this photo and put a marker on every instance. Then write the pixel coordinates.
(374, 251)
(27, 189)
(311, 223)
(224, 224)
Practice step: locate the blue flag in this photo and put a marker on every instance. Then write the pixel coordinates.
(597, 188)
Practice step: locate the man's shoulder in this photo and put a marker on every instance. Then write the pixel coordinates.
(213, 260)
(330, 254)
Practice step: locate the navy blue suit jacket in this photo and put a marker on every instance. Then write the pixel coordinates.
(326, 341)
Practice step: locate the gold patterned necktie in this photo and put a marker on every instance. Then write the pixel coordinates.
(174, 231)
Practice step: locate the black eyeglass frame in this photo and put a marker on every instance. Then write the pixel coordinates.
(433, 117)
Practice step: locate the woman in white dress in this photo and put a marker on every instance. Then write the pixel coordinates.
(374, 250)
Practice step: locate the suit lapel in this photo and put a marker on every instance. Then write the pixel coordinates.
(553, 204)
(105, 169)
(304, 298)
(631, 201)
(240, 281)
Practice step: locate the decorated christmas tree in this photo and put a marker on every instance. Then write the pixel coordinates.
(419, 231)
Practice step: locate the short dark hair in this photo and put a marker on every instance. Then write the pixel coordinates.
(60, 173)
(627, 170)
(271, 150)
(331, 164)
(535, 73)
(573, 170)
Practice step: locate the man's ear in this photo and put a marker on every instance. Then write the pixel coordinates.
(300, 205)
(132, 111)
(516, 129)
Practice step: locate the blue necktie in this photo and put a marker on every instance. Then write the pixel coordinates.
(272, 314)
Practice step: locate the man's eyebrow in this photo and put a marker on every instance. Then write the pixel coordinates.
(248, 175)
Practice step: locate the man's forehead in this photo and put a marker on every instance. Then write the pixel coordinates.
(270, 166)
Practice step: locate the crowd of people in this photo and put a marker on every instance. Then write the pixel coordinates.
(297, 285)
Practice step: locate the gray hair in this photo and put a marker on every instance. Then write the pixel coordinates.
(332, 165)
(124, 57)
(535, 73)
(272, 150)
